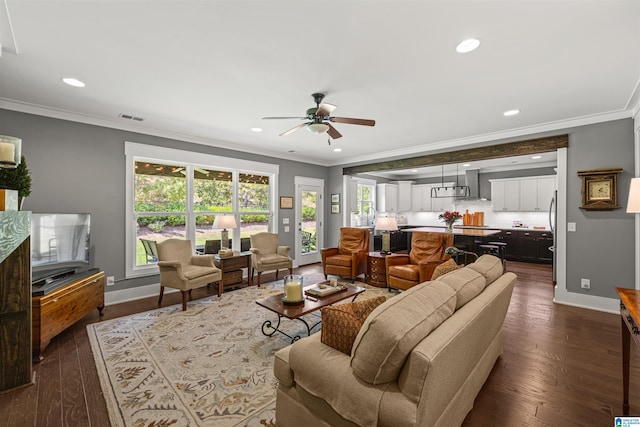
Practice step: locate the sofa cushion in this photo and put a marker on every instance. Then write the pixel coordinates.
(341, 323)
(466, 282)
(405, 271)
(489, 266)
(394, 328)
(444, 268)
(343, 260)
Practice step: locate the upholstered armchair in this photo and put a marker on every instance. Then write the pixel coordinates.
(349, 259)
(267, 254)
(427, 252)
(181, 269)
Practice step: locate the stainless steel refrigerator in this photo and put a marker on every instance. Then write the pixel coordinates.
(553, 216)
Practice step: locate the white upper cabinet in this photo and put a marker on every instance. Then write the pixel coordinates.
(505, 195)
(536, 194)
(404, 195)
(531, 194)
(387, 198)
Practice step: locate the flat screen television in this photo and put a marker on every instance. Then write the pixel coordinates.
(59, 244)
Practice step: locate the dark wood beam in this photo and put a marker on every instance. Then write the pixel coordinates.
(518, 148)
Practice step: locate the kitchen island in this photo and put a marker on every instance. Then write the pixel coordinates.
(476, 232)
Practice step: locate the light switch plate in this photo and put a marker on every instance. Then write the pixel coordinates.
(285, 220)
(571, 226)
(286, 228)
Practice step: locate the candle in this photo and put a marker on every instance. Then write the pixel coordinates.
(293, 291)
(7, 152)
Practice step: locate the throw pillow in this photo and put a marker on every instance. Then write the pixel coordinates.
(444, 268)
(341, 323)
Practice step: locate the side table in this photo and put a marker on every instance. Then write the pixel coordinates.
(232, 266)
(376, 270)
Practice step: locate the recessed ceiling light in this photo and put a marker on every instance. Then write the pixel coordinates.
(73, 82)
(414, 170)
(256, 130)
(468, 45)
(511, 112)
(466, 165)
(536, 157)
(337, 150)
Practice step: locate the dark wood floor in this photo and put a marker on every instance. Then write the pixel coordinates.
(561, 366)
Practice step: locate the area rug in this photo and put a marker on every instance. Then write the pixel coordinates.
(210, 365)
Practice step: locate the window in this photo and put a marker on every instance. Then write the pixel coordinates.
(177, 194)
(365, 199)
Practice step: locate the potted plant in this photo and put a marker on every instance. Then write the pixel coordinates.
(18, 179)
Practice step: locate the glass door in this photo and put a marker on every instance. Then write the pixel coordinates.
(309, 218)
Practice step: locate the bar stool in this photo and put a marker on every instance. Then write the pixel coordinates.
(502, 251)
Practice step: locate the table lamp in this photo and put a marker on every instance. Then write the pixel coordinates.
(224, 222)
(633, 204)
(386, 224)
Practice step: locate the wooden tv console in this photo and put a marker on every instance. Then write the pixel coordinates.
(55, 311)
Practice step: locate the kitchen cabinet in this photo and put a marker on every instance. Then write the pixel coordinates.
(421, 198)
(505, 195)
(530, 246)
(536, 194)
(387, 197)
(404, 195)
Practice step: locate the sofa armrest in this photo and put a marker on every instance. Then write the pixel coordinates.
(281, 368)
(327, 252)
(203, 260)
(283, 250)
(326, 373)
(427, 268)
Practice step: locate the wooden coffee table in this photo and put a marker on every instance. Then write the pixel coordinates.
(310, 304)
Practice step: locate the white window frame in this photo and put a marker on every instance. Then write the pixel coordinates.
(149, 153)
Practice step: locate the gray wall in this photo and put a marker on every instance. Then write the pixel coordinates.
(602, 248)
(81, 168)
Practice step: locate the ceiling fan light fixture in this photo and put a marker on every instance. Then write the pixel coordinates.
(317, 127)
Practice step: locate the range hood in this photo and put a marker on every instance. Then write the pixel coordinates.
(472, 181)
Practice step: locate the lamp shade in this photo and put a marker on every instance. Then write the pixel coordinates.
(224, 221)
(386, 224)
(10, 151)
(317, 127)
(633, 204)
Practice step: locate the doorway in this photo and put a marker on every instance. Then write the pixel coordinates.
(309, 220)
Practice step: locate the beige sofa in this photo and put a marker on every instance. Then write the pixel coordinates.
(419, 359)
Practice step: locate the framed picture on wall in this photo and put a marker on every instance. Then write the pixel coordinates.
(335, 208)
(335, 198)
(286, 202)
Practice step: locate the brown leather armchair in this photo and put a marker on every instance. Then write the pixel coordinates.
(427, 252)
(349, 259)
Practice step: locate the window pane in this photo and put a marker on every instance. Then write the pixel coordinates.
(159, 188)
(309, 218)
(252, 224)
(157, 229)
(253, 192)
(212, 190)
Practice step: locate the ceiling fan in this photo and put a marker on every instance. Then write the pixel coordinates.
(320, 119)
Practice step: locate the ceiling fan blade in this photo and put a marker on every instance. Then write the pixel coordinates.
(276, 118)
(325, 109)
(333, 132)
(293, 129)
(352, 121)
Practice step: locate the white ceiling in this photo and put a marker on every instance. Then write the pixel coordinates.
(208, 71)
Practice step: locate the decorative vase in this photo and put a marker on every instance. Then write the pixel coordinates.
(450, 227)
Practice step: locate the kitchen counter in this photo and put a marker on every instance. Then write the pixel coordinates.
(457, 231)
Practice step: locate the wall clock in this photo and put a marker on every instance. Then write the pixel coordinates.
(600, 189)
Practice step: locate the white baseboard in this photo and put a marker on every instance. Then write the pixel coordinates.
(608, 305)
(132, 294)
